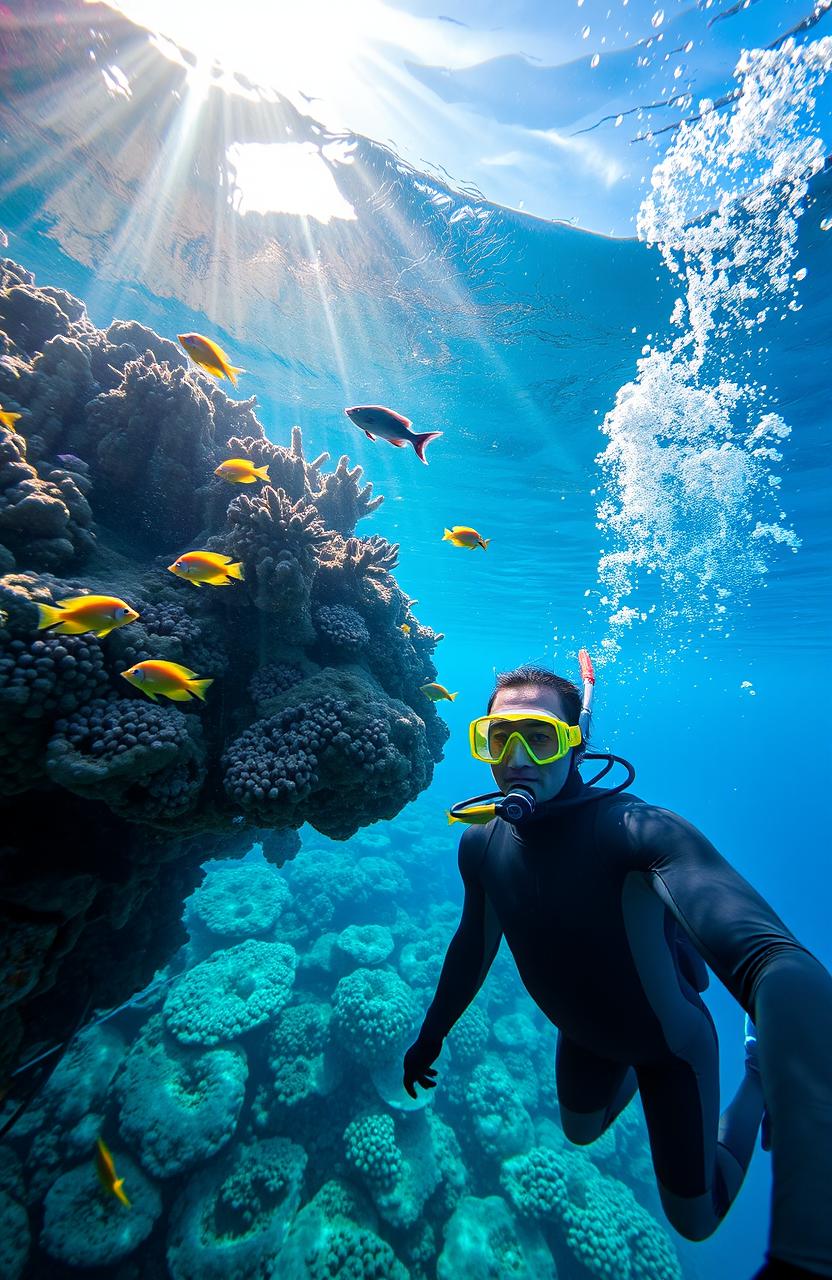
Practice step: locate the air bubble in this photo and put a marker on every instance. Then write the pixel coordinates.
(585, 32)
(596, 58)
(658, 18)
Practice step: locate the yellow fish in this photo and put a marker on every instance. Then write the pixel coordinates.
(241, 471)
(209, 356)
(168, 678)
(435, 692)
(106, 1171)
(8, 418)
(477, 815)
(463, 536)
(405, 629)
(201, 567)
(79, 614)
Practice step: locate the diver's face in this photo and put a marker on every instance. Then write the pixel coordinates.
(517, 768)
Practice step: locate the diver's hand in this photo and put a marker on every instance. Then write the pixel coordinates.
(418, 1068)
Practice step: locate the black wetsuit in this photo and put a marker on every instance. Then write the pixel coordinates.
(599, 902)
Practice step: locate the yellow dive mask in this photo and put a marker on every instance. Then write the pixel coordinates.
(545, 738)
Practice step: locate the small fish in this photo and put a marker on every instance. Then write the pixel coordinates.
(374, 420)
(435, 692)
(463, 536)
(79, 614)
(69, 459)
(209, 356)
(168, 678)
(106, 1171)
(405, 629)
(8, 418)
(477, 815)
(241, 471)
(207, 567)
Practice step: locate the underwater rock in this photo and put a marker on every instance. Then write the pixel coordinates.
(15, 1237)
(232, 992)
(107, 478)
(178, 1106)
(232, 1217)
(482, 1240)
(83, 1227)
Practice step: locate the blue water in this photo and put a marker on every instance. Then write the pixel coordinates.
(513, 335)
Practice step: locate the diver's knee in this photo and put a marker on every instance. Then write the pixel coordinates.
(582, 1127)
(694, 1217)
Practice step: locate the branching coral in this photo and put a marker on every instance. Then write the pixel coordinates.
(230, 993)
(277, 541)
(178, 1106)
(232, 1217)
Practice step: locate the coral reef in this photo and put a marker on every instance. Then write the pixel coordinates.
(314, 714)
(484, 1241)
(374, 1012)
(231, 1218)
(178, 1105)
(230, 993)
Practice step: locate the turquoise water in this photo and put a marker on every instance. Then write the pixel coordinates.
(608, 440)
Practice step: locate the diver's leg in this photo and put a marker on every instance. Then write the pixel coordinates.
(592, 1090)
(700, 1158)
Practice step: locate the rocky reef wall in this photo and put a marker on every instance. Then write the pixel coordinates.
(108, 801)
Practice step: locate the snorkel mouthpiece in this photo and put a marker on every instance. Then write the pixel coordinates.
(517, 805)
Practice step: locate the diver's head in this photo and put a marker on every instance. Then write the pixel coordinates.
(528, 692)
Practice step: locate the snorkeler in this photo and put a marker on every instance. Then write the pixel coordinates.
(610, 906)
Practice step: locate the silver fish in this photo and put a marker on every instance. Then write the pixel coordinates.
(376, 421)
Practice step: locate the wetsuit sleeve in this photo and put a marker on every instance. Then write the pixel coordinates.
(731, 926)
(787, 992)
(473, 946)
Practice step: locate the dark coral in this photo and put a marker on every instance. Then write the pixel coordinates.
(109, 802)
(310, 762)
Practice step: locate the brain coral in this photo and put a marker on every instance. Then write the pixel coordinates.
(230, 993)
(232, 1216)
(85, 1227)
(501, 1123)
(374, 1012)
(178, 1106)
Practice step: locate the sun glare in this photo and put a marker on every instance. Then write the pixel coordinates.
(285, 177)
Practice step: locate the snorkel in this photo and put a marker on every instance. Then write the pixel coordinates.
(518, 804)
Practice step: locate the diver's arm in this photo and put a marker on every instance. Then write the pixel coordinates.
(787, 992)
(472, 948)
(732, 927)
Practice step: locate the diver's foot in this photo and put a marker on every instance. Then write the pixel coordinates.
(752, 1063)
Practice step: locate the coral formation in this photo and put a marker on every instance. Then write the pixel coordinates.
(84, 1227)
(178, 1105)
(374, 1012)
(232, 1216)
(237, 900)
(232, 992)
(484, 1241)
(314, 714)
